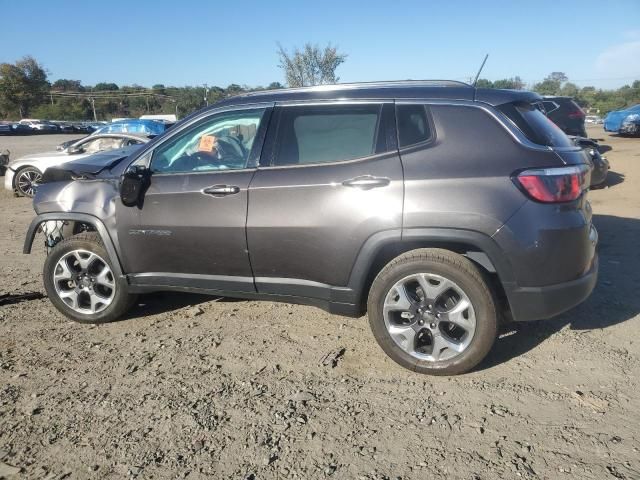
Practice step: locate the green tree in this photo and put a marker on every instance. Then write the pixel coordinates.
(310, 65)
(513, 83)
(23, 85)
(103, 86)
(552, 84)
(64, 85)
(484, 83)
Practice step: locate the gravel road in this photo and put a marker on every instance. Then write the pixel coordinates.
(197, 387)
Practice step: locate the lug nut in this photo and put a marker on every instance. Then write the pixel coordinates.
(433, 325)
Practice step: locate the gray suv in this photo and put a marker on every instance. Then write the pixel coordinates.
(437, 208)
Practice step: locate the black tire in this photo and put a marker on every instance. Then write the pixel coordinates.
(25, 191)
(122, 301)
(467, 276)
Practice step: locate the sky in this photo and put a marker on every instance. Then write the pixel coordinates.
(211, 42)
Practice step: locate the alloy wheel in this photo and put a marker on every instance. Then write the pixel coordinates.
(84, 282)
(27, 180)
(429, 317)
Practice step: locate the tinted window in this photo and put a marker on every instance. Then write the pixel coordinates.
(550, 106)
(221, 142)
(321, 134)
(413, 125)
(535, 125)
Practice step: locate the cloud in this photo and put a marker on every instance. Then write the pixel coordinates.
(621, 60)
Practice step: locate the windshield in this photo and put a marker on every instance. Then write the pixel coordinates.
(536, 126)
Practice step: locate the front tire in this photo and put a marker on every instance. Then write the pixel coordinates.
(80, 282)
(25, 180)
(431, 311)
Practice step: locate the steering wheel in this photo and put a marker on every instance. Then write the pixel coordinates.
(231, 148)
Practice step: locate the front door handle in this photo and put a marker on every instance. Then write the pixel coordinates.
(221, 190)
(366, 182)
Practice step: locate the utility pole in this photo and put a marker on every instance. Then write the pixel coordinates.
(93, 106)
(206, 94)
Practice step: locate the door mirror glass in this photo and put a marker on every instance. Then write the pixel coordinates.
(133, 184)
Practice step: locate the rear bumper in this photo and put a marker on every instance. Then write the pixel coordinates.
(539, 303)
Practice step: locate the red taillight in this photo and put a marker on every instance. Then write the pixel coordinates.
(555, 185)
(576, 114)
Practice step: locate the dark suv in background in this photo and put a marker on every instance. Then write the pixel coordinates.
(566, 114)
(436, 207)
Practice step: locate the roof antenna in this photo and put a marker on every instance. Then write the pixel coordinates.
(480, 71)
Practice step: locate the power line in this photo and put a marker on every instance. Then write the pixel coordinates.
(110, 94)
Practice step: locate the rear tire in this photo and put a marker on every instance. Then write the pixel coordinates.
(80, 281)
(446, 331)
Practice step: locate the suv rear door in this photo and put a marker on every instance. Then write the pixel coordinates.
(331, 180)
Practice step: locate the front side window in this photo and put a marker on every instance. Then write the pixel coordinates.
(326, 133)
(221, 142)
(101, 144)
(413, 125)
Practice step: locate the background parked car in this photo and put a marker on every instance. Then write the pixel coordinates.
(146, 127)
(593, 119)
(23, 173)
(40, 126)
(566, 114)
(599, 162)
(20, 129)
(624, 122)
(5, 129)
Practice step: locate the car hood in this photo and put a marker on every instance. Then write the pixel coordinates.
(98, 165)
(43, 156)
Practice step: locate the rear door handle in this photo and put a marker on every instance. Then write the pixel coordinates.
(221, 190)
(366, 182)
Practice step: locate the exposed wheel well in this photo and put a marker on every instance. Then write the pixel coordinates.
(390, 251)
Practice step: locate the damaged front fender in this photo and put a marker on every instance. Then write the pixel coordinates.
(95, 222)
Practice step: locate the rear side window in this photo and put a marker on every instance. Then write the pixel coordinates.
(413, 125)
(323, 134)
(535, 125)
(550, 106)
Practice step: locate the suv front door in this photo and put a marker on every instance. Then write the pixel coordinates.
(190, 230)
(331, 178)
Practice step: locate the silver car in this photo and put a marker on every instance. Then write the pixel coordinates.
(23, 173)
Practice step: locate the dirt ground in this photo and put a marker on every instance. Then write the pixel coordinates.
(196, 387)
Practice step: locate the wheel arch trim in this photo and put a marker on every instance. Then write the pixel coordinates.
(77, 217)
(486, 252)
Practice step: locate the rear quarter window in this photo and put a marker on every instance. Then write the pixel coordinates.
(413, 125)
(535, 125)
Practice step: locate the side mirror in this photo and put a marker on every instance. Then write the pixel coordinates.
(133, 184)
(74, 150)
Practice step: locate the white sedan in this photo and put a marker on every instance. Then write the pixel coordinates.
(24, 173)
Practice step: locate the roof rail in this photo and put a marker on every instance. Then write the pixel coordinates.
(357, 85)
